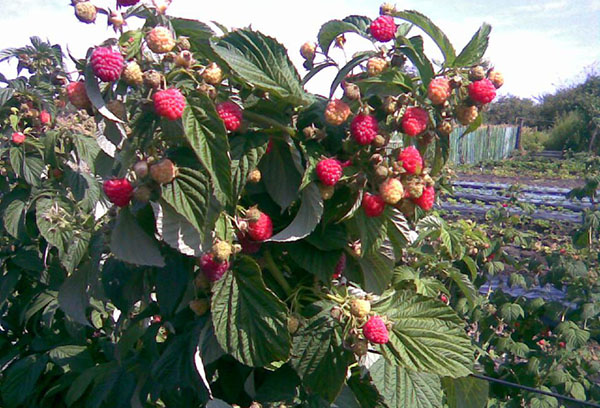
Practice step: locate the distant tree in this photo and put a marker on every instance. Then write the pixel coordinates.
(509, 109)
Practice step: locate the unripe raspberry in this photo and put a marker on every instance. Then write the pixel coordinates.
(260, 226)
(414, 186)
(116, 19)
(231, 114)
(477, 73)
(381, 172)
(213, 74)
(415, 121)
(326, 191)
(161, 5)
(142, 193)
(212, 268)
(466, 114)
(78, 95)
(373, 205)
(387, 9)
(86, 12)
(132, 74)
(337, 112)
(482, 91)
(391, 191)
(255, 176)
(360, 347)
(18, 138)
(118, 191)
(340, 267)
(383, 28)
(152, 79)
(329, 171)
(308, 50)
(169, 103)
(411, 160)
(208, 90)
(107, 64)
(141, 169)
(427, 199)
(293, 324)
(351, 91)
(375, 330)
(222, 250)
(496, 77)
(117, 108)
(199, 306)
(163, 172)
(390, 104)
(364, 128)
(360, 308)
(445, 127)
(160, 40)
(439, 90)
(184, 43)
(380, 141)
(184, 59)
(376, 66)
(428, 181)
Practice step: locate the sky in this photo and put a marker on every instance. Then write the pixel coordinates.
(539, 46)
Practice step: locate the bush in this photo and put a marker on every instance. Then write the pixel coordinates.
(568, 132)
(533, 140)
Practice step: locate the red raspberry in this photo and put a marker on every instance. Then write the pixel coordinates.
(248, 246)
(427, 199)
(373, 205)
(482, 91)
(340, 267)
(411, 160)
(107, 64)
(231, 114)
(118, 191)
(329, 171)
(45, 117)
(383, 28)
(375, 330)
(125, 3)
(439, 90)
(260, 226)
(18, 138)
(414, 121)
(78, 95)
(364, 129)
(213, 269)
(169, 103)
(269, 146)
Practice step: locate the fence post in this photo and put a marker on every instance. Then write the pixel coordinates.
(518, 141)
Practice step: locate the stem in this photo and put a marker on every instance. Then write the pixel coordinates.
(276, 273)
(255, 117)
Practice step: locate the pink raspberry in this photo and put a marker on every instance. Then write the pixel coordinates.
(45, 117)
(212, 268)
(439, 90)
(383, 28)
(411, 160)
(364, 129)
(78, 95)
(260, 226)
(231, 114)
(340, 267)
(482, 91)
(118, 191)
(376, 331)
(107, 64)
(329, 171)
(427, 199)
(18, 138)
(373, 205)
(125, 3)
(414, 121)
(169, 103)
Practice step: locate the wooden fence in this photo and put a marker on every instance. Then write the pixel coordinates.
(486, 143)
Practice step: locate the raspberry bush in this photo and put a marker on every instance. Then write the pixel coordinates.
(193, 226)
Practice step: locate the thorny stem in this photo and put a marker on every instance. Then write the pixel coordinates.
(276, 273)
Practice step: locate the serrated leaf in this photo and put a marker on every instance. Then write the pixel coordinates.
(176, 231)
(20, 379)
(28, 167)
(48, 212)
(308, 217)
(334, 28)
(76, 250)
(319, 263)
(404, 388)
(573, 335)
(413, 49)
(511, 312)
(464, 284)
(378, 270)
(130, 243)
(82, 382)
(171, 283)
(475, 49)
(71, 357)
(73, 297)
(250, 321)
(466, 392)
(86, 189)
(13, 217)
(5, 95)
(246, 152)
(281, 179)
(371, 230)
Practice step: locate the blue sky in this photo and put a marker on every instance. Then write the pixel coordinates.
(538, 45)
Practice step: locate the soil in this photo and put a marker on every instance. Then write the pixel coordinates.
(523, 180)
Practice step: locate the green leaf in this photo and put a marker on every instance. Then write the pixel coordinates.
(404, 388)
(205, 131)
(71, 357)
(378, 270)
(52, 218)
(334, 28)
(475, 49)
(73, 298)
(14, 205)
(93, 91)
(171, 283)
(85, 187)
(250, 321)
(261, 62)
(572, 334)
(307, 218)
(28, 167)
(425, 24)
(5, 95)
(76, 250)
(20, 379)
(130, 243)
(246, 152)
(196, 31)
(413, 49)
(346, 69)
(426, 336)
(176, 230)
(83, 381)
(319, 263)
(466, 392)
(464, 284)
(371, 230)
(511, 312)
(281, 179)
(398, 229)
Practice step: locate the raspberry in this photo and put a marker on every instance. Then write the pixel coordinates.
(375, 330)
(411, 160)
(231, 114)
(376, 65)
(445, 128)
(482, 91)
(391, 191)
(118, 191)
(184, 59)
(255, 176)
(116, 19)
(45, 117)
(199, 306)
(373, 205)
(360, 307)
(163, 172)
(107, 64)
(248, 246)
(222, 250)
(78, 95)
(308, 51)
(125, 3)
(213, 269)
(351, 91)
(360, 347)
(329, 171)
(439, 90)
(466, 114)
(18, 138)
(213, 74)
(340, 267)
(142, 193)
(160, 40)
(477, 73)
(414, 121)
(427, 199)
(169, 103)
(383, 28)
(141, 169)
(86, 12)
(496, 77)
(414, 186)
(260, 226)
(132, 74)
(337, 112)
(118, 108)
(152, 79)
(364, 128)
